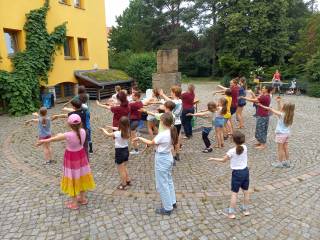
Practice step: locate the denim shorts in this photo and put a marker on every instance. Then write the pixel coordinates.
(219, 122)
(240, 179)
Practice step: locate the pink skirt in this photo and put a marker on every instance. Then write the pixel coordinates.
(77, 175)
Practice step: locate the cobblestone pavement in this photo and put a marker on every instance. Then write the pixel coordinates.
(285, 203)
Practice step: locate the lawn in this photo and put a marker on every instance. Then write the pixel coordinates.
(107, 75)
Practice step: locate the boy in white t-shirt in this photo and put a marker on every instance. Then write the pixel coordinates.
(164, 162)
(240, 173)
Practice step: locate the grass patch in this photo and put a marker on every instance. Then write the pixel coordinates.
(199, 79)
(107, 75)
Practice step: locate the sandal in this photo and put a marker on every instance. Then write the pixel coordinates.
(129, 183)
(122, 187)
(72, 206)
(82, 201)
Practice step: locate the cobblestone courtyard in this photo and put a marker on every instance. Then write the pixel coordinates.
(285, 203)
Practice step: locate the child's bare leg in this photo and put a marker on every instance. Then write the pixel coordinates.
(134, 143)
(280, 152)
(245, 203)
(150, 128)
(286, 151)
(126, 173)
(233, 203)
(122, 174)
(46, 152)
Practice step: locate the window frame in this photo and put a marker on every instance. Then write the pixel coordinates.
(84, 50)
(70, 41)
(78, 4)
(16, 34)
(65, 2)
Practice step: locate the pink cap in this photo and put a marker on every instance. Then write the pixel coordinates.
(74, 119)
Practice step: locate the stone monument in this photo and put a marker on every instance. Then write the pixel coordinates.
(167, 70)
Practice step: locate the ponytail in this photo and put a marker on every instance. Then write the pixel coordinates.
(77, 128)
(239, 149)
(239, 139)
(174, 136)
(78, 134)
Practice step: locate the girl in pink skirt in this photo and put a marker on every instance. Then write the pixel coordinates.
(77, 177)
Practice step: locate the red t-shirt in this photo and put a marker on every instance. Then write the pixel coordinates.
(235, 95)
(118, 112)
(134, 110)
(187, 100)
(265, 101)
(277, 76)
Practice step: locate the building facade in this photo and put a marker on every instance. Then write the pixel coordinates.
(85, 47)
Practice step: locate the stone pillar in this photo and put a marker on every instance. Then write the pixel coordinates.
(167, 70)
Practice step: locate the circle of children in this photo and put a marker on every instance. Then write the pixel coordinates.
(165, 115)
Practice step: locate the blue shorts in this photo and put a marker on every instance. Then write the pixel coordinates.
(219, 122)
(240, 179)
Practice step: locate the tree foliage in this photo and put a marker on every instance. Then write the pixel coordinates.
(21, 88)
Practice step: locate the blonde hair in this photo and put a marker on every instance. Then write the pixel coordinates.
(176, 90)
(288, 109)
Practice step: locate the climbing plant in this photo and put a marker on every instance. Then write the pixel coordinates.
(20, 89)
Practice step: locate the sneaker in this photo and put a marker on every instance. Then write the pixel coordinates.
(162, 211)
(207, 150)
(230, 212)
(244, 210)
(177, 157)
(134, 152)
(174, 162)
(286, 164)
(277, 165)
(174, 206)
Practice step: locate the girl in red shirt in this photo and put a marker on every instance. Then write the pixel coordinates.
(187, 107)
(121, 110)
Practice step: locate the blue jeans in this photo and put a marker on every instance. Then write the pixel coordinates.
(186, 121)
(164, 182)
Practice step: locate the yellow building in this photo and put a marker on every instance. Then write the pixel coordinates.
(86, 45)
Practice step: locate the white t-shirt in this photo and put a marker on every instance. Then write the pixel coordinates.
(238, 162)
(163, 141)
(119, 142)
(177, 111)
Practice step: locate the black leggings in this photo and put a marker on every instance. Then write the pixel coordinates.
(205, 134)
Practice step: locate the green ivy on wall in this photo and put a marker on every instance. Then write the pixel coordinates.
(20, 89)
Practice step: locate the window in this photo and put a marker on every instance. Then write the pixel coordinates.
(68, 89)
(67, 2)
(12, 42)
(83, 48)
(78, 3)
(69, 48)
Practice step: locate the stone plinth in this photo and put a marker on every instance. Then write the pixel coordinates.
(164, 81)
(167, 70)
(167, 61)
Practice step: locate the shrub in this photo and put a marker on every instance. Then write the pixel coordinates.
(235, 67)
(225, 81)
(313, 90)
(141, 67)
(313, 68)
(119, 60)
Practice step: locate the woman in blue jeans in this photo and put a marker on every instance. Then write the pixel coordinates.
(164, 162)
(187, 108)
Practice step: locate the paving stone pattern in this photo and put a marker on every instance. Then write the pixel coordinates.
(285, 203)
